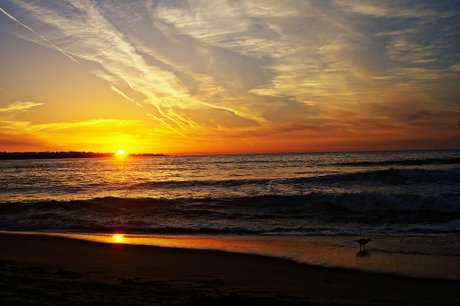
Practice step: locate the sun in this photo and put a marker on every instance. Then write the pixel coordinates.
(117, 238)
(121, 152)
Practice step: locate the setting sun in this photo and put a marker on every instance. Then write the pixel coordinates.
(117, 238)
(121, 152)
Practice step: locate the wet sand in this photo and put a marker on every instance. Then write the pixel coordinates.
(38, 269)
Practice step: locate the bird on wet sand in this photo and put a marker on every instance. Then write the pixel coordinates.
(362, 243)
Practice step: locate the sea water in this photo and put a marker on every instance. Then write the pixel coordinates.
(406, 194)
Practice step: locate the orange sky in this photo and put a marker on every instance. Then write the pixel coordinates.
(229, 76)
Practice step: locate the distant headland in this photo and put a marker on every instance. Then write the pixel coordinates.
(59, 155)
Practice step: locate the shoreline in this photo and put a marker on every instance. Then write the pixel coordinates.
(411, 256)
(136, 267)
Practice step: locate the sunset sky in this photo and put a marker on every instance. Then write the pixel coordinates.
(229, 76)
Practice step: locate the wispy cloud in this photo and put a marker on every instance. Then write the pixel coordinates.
(103, 44)
(39, 35)
(19, 106)
(202, 68)
(121, 93)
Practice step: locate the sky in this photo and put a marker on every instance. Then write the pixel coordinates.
(198, 77)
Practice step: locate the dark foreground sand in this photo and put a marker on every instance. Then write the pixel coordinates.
(47, 270)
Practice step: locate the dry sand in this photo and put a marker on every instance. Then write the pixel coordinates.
(38, 269)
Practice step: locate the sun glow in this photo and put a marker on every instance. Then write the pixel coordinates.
(120, 152)
(118, 238)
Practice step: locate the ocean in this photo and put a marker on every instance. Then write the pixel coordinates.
(411, 196)
(370, 193)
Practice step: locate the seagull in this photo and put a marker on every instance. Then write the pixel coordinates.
(363, 242)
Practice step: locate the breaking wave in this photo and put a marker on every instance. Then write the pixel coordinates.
(314, 213)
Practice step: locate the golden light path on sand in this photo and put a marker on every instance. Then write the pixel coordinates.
(328, 251)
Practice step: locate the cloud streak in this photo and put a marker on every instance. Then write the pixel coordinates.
(325, 69)
(19, 106)
(39, 35)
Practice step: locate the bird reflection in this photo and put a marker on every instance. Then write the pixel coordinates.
(363, 253)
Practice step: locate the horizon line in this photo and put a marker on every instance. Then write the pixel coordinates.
(231, 153)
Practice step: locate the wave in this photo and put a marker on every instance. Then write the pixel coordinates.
(403, 162)
(353, 202)
(197, 183)
(379, 202)
(389, 176)
(313, 213)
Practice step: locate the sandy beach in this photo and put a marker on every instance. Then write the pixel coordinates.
(37, 269)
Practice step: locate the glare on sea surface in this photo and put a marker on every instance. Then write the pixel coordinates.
(118, 238)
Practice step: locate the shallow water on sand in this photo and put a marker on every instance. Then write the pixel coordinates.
(409, 256)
